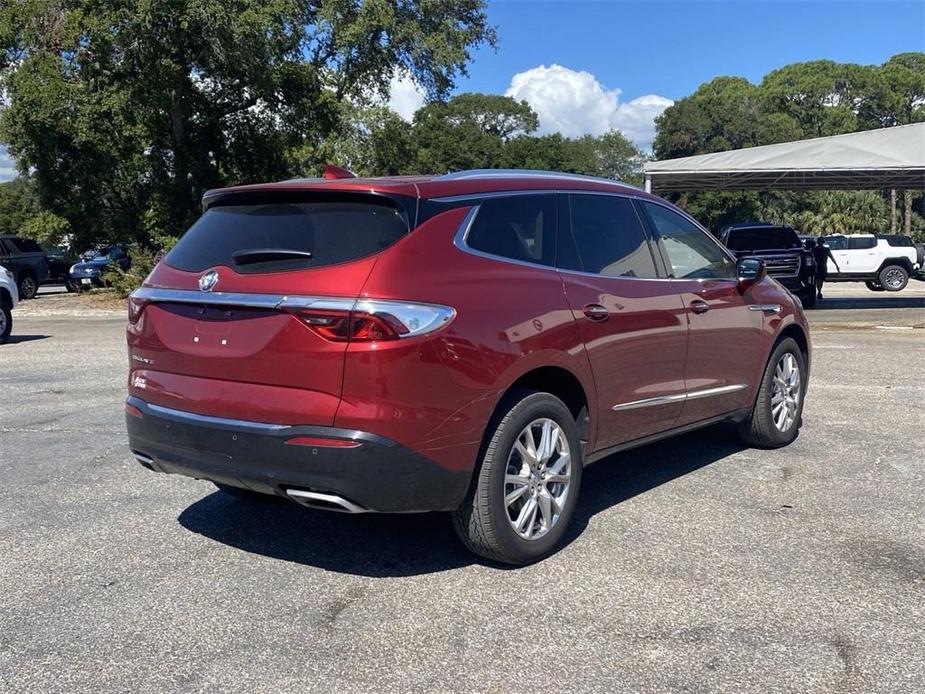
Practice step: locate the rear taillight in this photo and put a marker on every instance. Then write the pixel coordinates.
(369, 320)
(135, 307)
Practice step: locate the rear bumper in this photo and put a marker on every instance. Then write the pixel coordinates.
(376, 474)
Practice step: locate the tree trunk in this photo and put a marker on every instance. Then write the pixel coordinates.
(907, 212)
(893, 211)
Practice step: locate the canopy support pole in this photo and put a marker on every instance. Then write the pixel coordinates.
(648, 183)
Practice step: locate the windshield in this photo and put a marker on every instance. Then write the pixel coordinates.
(762, 238)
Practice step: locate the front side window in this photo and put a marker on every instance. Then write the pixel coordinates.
(690, 253)
(835, 243)
(518, 227)
(608, 238)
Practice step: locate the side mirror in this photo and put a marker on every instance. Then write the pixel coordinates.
(750, 271)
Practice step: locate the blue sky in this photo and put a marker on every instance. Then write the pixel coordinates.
(587, 67)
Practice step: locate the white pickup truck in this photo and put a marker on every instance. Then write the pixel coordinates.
(881, 262)
(9, 296)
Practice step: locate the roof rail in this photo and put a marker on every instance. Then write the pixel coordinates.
(489, 173)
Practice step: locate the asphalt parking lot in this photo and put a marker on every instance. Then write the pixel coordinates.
(694, 564)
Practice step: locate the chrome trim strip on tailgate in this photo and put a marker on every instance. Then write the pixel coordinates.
(679, 397)
(194, 296)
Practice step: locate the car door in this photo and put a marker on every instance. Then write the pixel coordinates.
(724, 335)
(862, 251)
(630, 319)
(838, 245)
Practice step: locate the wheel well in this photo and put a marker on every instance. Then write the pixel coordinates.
(28, 272)
(904, 263)
(796, 332)
(5, 298)
(561, 383)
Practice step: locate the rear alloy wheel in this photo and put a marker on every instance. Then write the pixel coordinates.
(894, 278)
(874, 286)
(6, 322)
(526, 488)
(28, 287)
(778, 412)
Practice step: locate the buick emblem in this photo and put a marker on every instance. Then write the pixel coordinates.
(208, 280)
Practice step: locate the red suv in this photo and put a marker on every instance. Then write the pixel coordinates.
(462, 343)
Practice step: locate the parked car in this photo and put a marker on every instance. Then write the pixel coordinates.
(88, 272)
(60, 261)
(784, 253)
(461, 343)
(26, 260)
(882, 263)
(9, 297)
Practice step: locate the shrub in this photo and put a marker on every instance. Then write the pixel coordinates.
(143, 261)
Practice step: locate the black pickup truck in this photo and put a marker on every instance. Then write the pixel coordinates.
(27, 261)
(781, 250)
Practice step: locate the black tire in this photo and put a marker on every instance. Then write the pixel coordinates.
(758, 428)
(70, 286)
(244, 494)
(874, 286)
(808, 297)
(894, 278)
(6, 322)
(482, 521)
(28, 286)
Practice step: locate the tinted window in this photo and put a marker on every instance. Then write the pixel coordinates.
(608, 237)
(316, 234)
(899, 241)
(520, 228)
(860, 242)
(689, 251)
(835, 243)
(762, 238)
(26, 245)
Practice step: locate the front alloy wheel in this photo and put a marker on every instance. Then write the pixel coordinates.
(776, 418)
(28, 287)
(785, 398)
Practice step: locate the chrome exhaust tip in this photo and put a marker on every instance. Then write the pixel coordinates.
(145, 460)
(326, 502)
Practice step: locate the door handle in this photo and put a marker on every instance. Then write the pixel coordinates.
(699, 306)
(596, 312)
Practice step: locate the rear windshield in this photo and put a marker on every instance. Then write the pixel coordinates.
(280, 236)
(763, 238)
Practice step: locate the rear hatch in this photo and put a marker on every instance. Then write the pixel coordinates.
(245, 317)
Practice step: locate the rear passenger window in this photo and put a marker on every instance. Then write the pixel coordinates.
(27, 245)
(608, 238)
(520, 228)
(856, 243)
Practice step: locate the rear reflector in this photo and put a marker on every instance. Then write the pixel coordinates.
(318, 442)
(134, 411)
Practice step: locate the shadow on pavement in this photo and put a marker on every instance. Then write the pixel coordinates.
(13, 339)
(875, 301)
(406, 545)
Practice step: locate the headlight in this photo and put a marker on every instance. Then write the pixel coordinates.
(808, 261)
(71, 270)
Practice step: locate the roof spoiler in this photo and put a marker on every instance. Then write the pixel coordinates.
(332, 172)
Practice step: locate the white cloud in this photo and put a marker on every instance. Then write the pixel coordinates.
(7, 168)
(574, 103)
(405, 95)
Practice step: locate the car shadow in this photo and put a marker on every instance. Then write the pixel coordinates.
(13, 339)
(384, 545)
(877, 301)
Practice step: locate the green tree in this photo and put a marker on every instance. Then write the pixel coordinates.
(128, 110)
(372, 141)
(18, 202)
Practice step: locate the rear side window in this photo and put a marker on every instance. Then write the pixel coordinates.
(26, 245)
(899, 241)
(860, 242)
(608, 238)
(519, 227)
(280, 236)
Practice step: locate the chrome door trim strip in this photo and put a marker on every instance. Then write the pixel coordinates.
(765, 308)
(679, 397)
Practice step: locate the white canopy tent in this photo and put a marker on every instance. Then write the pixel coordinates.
(884, 158)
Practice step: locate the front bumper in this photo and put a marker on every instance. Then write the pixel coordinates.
(797, 283)
(377, 474)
